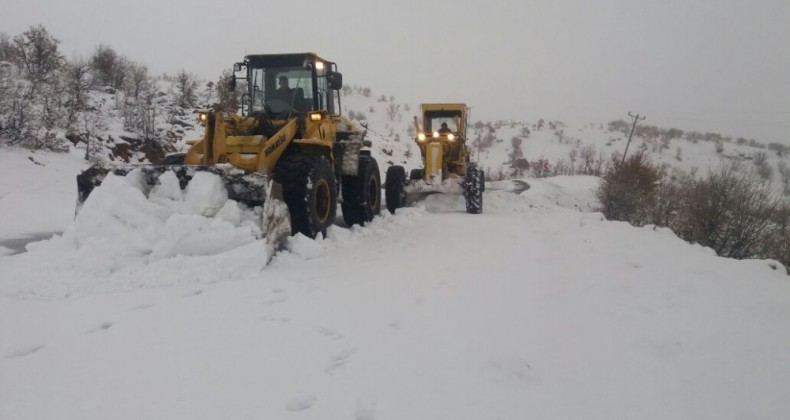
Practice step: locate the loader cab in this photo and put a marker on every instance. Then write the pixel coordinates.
(283, 85)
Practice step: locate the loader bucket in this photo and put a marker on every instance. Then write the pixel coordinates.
(245, 187)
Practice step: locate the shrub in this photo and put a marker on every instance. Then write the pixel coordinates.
(729, 211)
(627, 190)
(540, 167)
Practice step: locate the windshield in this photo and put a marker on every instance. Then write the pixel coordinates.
(281, 90)
(435, 119)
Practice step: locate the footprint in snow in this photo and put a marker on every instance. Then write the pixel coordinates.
(24, 352)
(195, 293)
(274, 301)
(366, 409)
(334, 335)
(271, 318)
(339, 360)
(102, 327)
(301, 403)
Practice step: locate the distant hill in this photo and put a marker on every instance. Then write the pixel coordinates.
(502, 146)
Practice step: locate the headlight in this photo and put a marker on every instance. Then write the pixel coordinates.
(315, 116)
(421, 137)
(436, 134)
(203, 118)
(451, 137)
(319, 65)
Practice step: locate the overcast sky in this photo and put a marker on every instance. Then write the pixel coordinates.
(706, 65)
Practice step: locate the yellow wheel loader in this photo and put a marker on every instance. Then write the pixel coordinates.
(289, 138)
(442, 141)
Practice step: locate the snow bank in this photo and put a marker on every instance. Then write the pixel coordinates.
(38, 191)
(125, 239)
(121, 233)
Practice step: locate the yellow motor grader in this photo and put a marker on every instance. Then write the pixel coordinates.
(442, 141)
(289, 139)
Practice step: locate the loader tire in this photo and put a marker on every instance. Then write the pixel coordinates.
(417, 174)
(310, 192)
(362, 193)
(394, 184)
(474, 185)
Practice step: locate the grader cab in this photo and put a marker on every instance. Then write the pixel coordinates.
(442, 139)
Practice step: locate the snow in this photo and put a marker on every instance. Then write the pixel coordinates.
(37, 191)
(169, 306)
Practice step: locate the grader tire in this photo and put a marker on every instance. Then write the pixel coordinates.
(474, 185)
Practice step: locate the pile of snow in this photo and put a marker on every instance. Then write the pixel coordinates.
(127, 237)
(120, 230)
(38, 191)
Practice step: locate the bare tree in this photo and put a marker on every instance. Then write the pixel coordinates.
(516, 152)
(139, 80)
(33, 100)
(393, 110)
(77, 83)
(587, 155)
(6, 48)
(227, 98)
(186, 89)
(35, 51)
(572, 155)
(784, 173)
(104, 62)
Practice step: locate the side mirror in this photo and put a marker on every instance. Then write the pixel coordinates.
(232, 82)
(236, 67)
(335, 80)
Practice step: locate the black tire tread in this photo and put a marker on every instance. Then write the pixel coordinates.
(474, 185)
(356, 210)
(293, 172)
(393, 187)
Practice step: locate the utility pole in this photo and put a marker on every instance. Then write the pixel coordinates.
(636, 118)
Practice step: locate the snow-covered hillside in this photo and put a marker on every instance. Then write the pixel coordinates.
(113, 136)
(562, 145)
(537, 308)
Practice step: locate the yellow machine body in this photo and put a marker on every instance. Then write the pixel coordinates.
(442, 139)
(227, 140)
(444, 150)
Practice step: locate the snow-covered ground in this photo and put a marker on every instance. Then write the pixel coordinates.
(538, 308)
